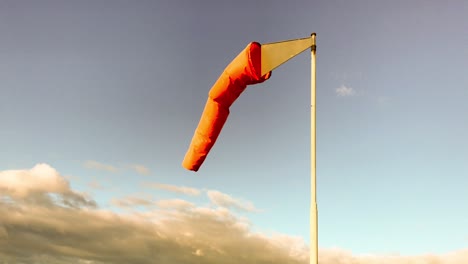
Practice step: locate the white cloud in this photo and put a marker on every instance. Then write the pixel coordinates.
(40, 185)
(173, 188)
(92, 164)
(41, 178)
(345, 91)
(224, 200)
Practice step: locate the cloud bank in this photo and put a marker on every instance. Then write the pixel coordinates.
(175, 231)
(42, 220)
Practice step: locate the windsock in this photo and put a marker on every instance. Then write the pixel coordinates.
(244, 70)
(253, 65)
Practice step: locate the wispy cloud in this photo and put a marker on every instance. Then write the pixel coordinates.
(92, 164)
(178, 204)
(95, 185)
(345, 91)
(224, 200)
(172, 188)
(132, 201)
(140, 169)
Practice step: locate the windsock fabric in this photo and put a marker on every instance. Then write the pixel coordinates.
(244, 70)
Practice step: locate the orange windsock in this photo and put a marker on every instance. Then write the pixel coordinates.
(244, 70)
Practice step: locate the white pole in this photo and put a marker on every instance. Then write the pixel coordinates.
(313, 161)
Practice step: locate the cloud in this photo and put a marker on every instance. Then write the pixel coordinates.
(178, 204)
(91, 164)
(339, 256)
(140, 169)
(173, 188)
(224, 200)
(41, 178)
(132, 201)
(96, 236)
(41, 185)
(95, 185)
(176, 232)
(345, 91)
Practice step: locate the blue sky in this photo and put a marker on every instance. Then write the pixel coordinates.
(87, 84)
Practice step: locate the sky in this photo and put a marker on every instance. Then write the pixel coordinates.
(100, 99)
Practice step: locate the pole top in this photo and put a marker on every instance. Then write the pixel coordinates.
(314, 46)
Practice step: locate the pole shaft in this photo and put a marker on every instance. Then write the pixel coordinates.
(313, 160)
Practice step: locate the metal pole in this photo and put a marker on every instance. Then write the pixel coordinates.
(313, 161)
